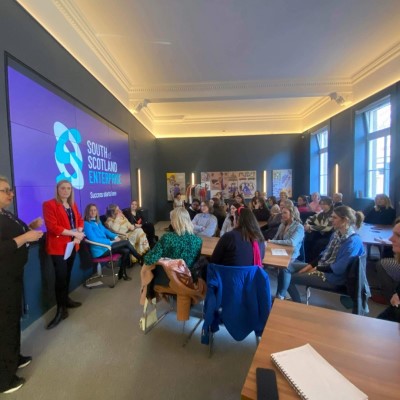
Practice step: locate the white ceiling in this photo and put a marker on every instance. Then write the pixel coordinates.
(230, 67)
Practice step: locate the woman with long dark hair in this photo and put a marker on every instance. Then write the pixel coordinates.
(244, 245)
(230, 220)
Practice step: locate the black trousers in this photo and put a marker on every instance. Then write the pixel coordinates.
(62, 269)
(10, 329)
(125, 248)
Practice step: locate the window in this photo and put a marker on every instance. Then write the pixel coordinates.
(322, 140)
(377, 122)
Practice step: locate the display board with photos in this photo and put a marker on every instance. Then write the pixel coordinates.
(281, 180)
(175, 184)
(227, 182)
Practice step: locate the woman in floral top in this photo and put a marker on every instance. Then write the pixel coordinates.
(182, 243)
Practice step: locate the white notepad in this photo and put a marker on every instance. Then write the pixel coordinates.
(313, 377)
(279, 252)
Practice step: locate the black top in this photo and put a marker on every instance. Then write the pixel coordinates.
(12, 258)
(384, 216)
(232, 250)
(192, 212)
(262, 214)
(138, 219)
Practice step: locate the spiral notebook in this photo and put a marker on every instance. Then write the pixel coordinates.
(313, 377)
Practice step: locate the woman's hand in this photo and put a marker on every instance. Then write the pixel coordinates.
(117, 239)
(36, 223)
(78, 236)
(307, 227)
(138, 225)
(33, 236)
(307, 268)
(395, 300)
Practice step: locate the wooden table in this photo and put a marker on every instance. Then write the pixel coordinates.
(365, 350)
(209, 244)
(369, 233)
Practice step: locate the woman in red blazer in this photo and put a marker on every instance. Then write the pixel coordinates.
(64, 224)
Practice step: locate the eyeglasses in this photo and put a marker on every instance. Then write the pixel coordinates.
(7, 191)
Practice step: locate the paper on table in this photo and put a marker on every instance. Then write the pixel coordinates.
(279, 252)
(68, 250)
(313, 377)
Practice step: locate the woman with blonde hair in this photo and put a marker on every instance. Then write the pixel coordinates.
(329, 270)
(383, 213)
(290, 233)
(64, 224)
(118, 223)
(182, 243)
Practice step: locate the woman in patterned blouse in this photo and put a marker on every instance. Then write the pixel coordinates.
(182, 243)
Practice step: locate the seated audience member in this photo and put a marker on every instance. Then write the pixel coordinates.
(318, 230)
(314, 204)
(302, 204)
(96, 232)
(260, 210)
(178, 202)
(253, 201)
(230, 220)
(118, 223)
(337, 199)
(283, 195)
(392, 313)
(219, 212)
(182, 243)
(244, 245)
(205, 223)
(383, 213)
(388, 271)
(136, 217)
(290, 233)
(194, 208)
(273, 222)
(240, 199)
(271, 201)
(329, 271)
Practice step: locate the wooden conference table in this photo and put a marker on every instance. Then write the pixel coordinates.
(365, 350)
(209, 244)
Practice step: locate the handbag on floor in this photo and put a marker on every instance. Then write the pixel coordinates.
(149, 317)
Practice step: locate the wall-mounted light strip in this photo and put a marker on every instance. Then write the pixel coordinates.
(193, 178)
(139, 183)
(336, 178)
(265, 182)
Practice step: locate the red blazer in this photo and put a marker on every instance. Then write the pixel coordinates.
(56, 221)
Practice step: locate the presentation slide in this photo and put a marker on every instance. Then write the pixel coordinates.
(54, 137)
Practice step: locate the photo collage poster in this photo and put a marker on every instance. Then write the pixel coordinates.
(281, 180)
(175, 184)
(227, 182)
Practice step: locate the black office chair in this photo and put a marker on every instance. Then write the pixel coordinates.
(356, 287)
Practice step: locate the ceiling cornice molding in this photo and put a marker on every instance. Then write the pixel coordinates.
(138, 91)
(79, 23)
(376, 64)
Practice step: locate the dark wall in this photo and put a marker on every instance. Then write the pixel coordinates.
(24, 39)
(258, 153)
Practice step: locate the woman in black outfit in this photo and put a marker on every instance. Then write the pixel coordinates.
(15, 237)
(383, 213)
(136, 217)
